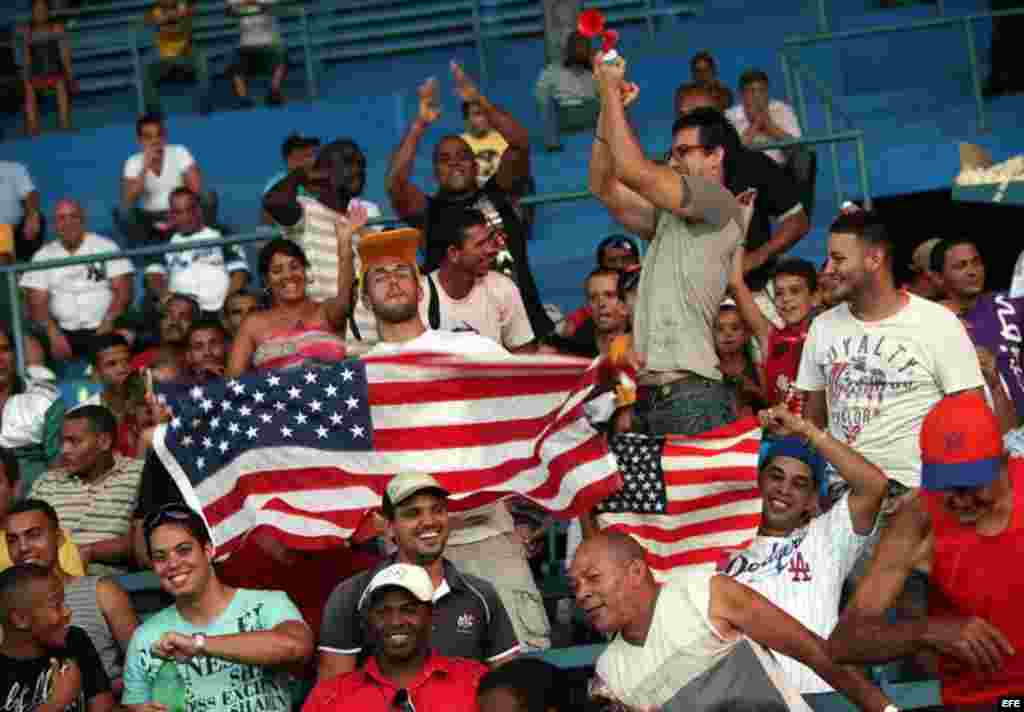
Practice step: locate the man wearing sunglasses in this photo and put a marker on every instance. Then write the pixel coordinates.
(402, 673)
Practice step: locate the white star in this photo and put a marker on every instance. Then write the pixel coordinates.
(251, 433)
(206, 405)
(207, 443)
(273, 380)
(347, 375)
(266, 417)
(258, 396)
(187, 441)
(196, 393)
(336, 418)
(245, 411)
(233, 428)
(331, 390)
(215, 423)
(315, 406)
(200, 462)
(238, 388)
(175, 423)
(223, 446)
(352, 402)
(357, 431)
(286, 432)
(279, 407)
(225, 405)
(310, 377)
(321, 432)
(294, 392)
(301, 418)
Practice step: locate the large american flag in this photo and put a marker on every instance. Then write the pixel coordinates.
(688, 500)
(308, 452)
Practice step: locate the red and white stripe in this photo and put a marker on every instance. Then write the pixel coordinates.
(714, 502)
(485, 427)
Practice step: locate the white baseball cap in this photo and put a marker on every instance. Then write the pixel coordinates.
(413, 579)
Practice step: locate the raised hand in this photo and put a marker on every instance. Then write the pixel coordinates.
(464, 86)
(780, 421)
(429, 108)
(348, 225)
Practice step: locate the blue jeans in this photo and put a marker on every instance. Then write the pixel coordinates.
(689, 406)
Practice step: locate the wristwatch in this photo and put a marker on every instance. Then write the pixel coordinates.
(199, 640)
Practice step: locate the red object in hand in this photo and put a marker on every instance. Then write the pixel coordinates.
(590, 23)
(609, 38)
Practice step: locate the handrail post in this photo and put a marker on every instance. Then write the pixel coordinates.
(137, 66)
(972, 61)
(801, 101)
(307, 42)
(17, 329)
(822, 16)
(862, 170)
(481, 47)
(787, 78)
(833, 150)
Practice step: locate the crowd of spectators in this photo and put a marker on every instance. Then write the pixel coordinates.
(885, 410)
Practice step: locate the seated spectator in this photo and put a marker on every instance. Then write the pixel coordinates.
(610, 318)
(469, 620)
(760, 119)
(239, 643)
(176, 315)
(795, 283)
(237, 306)
(800, 558)
(10, 483)
(568, 86)
(173, 22)
(74, 304)
(464, 293)
(47, 57)
(209, 274)
(924, 282)
(98, 605)
(298, 151)
(455, 171)
(297, 330)
(336, 179)
(615, 252)
(704, 71)
(524, 685)
(695, 640)
(403, 672)
(695, 95)
(488, 145)
(148, 180)
(94, 490)
(45, 664)
(260, 49)
(206, 349)
(736, 361)
(31, 413)
(19, 208)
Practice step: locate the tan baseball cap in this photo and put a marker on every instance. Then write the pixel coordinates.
(413, 579)
(405, 485)
(921, 261)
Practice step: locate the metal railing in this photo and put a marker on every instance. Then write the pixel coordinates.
(966, 22)
(821, 8)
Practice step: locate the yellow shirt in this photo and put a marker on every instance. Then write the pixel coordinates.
(488, 151)
(67, 555)
(173, 39)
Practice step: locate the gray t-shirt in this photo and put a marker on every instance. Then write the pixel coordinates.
(684, 278)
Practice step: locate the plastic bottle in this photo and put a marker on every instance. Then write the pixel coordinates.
(169, 688)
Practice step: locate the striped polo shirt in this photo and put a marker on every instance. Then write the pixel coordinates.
(93, 511)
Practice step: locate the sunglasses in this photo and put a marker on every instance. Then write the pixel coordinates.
(403, 702)
(168, 513)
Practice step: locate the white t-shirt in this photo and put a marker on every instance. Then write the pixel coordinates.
(494, 308)
(685, 664)
(781, 114)
(259, 26)
(157, 192)
(803, 574)
(882, 377)
(80, 295)
(204, 273)
(1017, 283)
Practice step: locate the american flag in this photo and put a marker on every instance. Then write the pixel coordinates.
(688, 500)
(308, 452)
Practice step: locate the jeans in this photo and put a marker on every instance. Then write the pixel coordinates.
(157, 71)
(690, 406)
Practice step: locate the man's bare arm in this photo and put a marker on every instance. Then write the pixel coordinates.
(631, 210)
(406, 198)
(788, 231)
(815, 408)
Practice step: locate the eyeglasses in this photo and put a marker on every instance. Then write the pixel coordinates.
(403, 702)
(173, 512)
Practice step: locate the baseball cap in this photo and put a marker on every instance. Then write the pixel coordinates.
(921, 260)
(961, 444)
(413, 579)
(405, 485)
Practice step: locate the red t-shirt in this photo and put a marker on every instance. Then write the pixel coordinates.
(576, 319)
(782, 362)
(443, 685)
(980, 576)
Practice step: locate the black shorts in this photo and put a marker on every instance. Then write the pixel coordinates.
(258, 60)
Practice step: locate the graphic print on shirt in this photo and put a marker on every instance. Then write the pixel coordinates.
(862, 374)
(1010, 333)
(783, 559)
(96, 272)
(27, 698)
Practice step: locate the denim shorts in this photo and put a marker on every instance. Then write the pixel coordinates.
(689, 406)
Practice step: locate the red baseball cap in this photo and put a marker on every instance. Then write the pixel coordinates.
(961, 443)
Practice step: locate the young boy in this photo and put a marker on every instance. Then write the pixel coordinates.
(46, 665)
(795, 283)
(732, 342)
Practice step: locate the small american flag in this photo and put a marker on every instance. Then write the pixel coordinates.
(688, 500)
(308, 452)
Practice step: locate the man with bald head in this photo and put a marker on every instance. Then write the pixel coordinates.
(73, 304)
(695, 641)
(455, 169)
